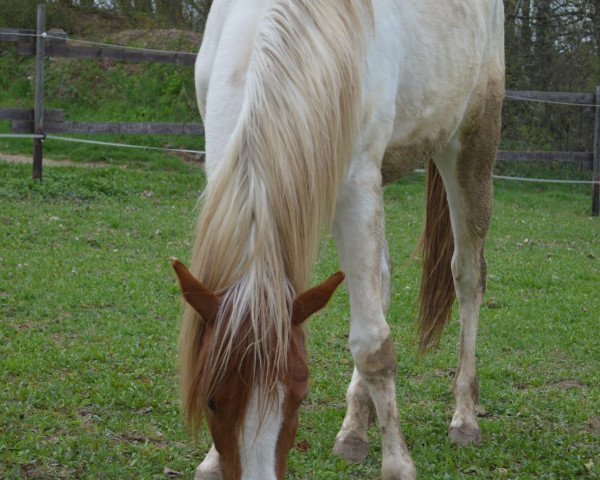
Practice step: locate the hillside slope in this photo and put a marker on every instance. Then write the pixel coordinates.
(102, 90)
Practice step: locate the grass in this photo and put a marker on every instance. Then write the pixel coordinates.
(89, 309)
(89, 314)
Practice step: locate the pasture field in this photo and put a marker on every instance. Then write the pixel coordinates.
(89, 314)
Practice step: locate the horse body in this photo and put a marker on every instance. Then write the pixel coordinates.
(371, 90)
(425, 62)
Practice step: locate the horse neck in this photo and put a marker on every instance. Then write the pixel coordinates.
(280, 175)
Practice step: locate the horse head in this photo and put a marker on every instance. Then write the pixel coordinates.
(252, 418)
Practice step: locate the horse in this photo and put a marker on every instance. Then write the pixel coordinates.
(310, 107)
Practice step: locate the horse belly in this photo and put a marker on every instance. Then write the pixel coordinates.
(399, 161)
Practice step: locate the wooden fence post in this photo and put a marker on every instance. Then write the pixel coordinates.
(38, 114)
(596, 177)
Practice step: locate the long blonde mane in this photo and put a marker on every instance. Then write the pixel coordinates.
(263, 209)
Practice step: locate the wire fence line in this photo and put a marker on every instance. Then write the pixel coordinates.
(535, 180)
(51, 36)
(97, 142)
(111, 45)
(201, 152)
(551, 102)
(547, 180)
(21, 135)
(124, 145)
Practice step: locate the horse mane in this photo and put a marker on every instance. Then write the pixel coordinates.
(263, 209)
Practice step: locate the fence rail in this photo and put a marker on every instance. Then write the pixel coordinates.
(43, 44)
(108, 53)
(585, 160)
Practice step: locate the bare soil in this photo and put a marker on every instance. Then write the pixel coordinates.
(4, 157)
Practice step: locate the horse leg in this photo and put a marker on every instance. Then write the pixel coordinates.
(209, 469)
(466, 169)
(351, 442)
(359, 232)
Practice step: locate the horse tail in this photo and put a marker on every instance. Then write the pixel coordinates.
(437, 244)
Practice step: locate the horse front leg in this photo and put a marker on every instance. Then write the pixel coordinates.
(359, 233)
(352, 443)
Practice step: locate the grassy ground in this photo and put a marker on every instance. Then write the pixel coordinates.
(89, 314)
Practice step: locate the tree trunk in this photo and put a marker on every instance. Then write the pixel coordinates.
(544, 46)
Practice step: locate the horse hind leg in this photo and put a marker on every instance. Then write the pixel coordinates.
(466, 169)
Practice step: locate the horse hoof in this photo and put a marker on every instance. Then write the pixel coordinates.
(351, 447)
(465, 434)
(207, 474)
(399, 469)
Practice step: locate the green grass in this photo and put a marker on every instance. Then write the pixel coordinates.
(89, 314)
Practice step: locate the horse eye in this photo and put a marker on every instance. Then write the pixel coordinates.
(211, 405)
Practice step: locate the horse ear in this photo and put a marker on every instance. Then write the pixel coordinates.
(205, 302)
(315, 298)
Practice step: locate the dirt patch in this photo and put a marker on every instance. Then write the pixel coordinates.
(134, 437)
(567, 384)
(592, 425)
(163, 39)
(4, 157)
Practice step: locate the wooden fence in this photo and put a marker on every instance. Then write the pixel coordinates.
(42, 44)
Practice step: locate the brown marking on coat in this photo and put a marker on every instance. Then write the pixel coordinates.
(482, 271)
(376, 367)
(225, 405)
(474, 383)
(230, 401)
(479, 144)
(381, 363)
(364, 404)
(296, 389)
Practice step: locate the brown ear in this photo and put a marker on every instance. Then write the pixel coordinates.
(315, 298)
(205, 302)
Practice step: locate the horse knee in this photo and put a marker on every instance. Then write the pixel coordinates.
(375, 361)
(469, 273)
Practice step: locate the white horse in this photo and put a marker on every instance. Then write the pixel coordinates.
(310, 106)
